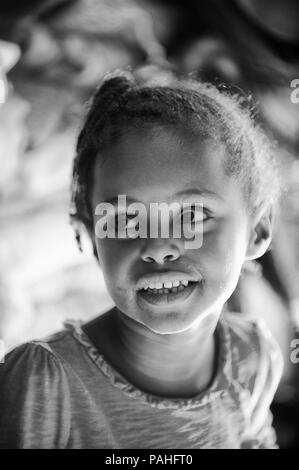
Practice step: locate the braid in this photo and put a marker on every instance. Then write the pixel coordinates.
(107, 99)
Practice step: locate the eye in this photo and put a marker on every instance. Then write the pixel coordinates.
(127, 225)
(195, 214)
(132, 227)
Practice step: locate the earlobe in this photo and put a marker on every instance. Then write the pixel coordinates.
(261, 235)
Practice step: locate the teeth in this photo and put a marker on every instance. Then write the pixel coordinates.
(159, 286)
(168, 285)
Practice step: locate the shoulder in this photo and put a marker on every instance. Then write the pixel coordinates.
(34, 356)
(34, 397)
(32, 370)
(256, 358)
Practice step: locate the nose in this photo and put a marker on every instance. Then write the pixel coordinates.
(160, 251)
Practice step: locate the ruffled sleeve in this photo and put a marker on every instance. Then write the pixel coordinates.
(260, 433)
(34, 399)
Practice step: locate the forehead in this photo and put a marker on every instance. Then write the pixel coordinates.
(154, 163)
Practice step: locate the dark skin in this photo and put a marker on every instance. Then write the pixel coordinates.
(171, 350)
(153, 363)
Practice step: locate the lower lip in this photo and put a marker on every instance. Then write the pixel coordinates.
(171, 297)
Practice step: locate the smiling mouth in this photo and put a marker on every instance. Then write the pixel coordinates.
(167, 287)
(168, 292)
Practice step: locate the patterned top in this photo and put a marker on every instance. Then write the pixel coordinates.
(61, 393)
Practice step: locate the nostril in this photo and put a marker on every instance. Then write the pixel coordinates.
(159, 259)
(148, 259)
(169, 258)
(158, 251)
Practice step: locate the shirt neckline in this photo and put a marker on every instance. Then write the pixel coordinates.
(220, 382)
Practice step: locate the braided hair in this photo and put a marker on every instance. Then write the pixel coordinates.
(127, 98)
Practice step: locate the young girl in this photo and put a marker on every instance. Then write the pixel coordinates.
(167, 367)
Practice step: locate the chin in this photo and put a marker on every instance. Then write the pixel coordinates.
(164, 323)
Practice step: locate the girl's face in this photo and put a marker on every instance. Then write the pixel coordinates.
(163, 166)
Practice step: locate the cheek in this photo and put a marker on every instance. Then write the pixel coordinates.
(116, 258)
(223, 251)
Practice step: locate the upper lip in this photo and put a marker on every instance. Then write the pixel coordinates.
(167, 276)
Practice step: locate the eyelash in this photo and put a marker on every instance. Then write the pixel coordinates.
(128, 218)
(205, 212)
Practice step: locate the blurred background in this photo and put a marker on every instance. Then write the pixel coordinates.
(52, 55)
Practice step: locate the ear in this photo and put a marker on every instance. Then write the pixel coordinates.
(260, 234)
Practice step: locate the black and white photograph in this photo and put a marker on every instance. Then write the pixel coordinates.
(149, 227)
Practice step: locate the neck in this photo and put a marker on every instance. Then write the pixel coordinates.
(180, 364)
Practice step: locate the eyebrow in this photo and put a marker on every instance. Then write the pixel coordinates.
(190, 192)
(114, 200)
